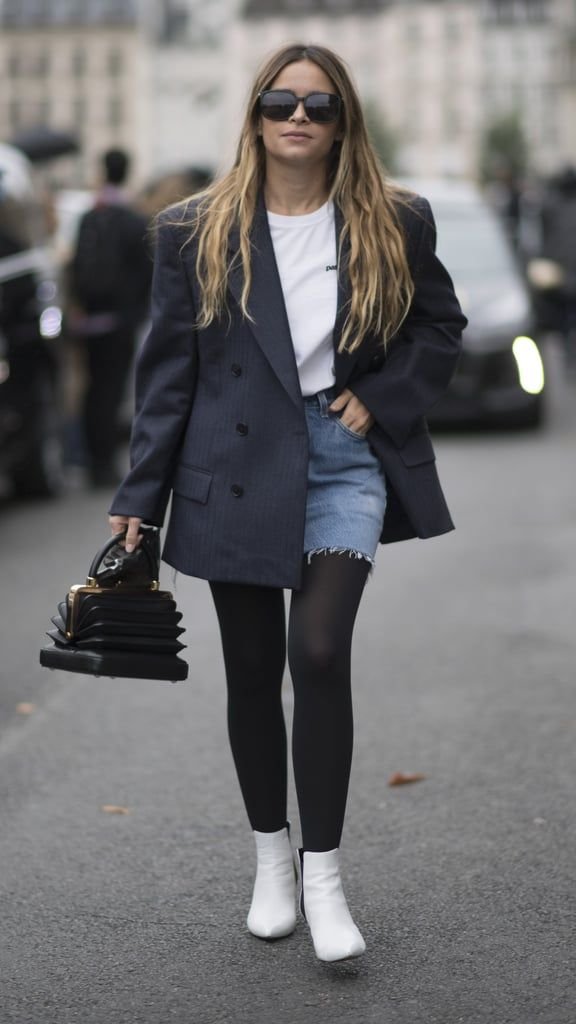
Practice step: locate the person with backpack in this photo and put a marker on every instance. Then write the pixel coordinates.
(109, 280)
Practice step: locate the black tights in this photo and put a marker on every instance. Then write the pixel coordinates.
(252, 624)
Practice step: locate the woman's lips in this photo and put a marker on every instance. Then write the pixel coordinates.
(295, 135)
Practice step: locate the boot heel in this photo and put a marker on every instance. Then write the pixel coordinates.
(301, 866)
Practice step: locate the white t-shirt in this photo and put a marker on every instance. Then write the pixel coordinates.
(305, 250)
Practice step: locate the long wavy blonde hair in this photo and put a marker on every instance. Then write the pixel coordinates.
(381, 285)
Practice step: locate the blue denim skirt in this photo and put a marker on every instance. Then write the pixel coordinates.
(346, 498)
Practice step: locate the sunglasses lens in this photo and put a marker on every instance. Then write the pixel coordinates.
(322, 107)
(277, 105)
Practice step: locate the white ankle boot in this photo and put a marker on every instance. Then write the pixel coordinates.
(273, 910)
(323, 903)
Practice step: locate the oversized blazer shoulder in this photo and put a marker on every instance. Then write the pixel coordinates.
(220, 424)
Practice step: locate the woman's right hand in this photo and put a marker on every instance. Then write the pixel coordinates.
(119, 523)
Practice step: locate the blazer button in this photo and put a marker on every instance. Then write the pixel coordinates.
(236, 370)
(242, 428)
(237, 490)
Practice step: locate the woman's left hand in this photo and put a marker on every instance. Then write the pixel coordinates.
(355, 415)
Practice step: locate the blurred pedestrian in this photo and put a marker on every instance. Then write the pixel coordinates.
(559, 247)
(109, 279)
(302, 326)
(170, 188)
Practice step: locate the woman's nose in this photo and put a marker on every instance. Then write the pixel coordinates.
(300, 113)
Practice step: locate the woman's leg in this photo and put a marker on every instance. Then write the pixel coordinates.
(319, 647)
(253, 630)
(322, 617)
(252, 624)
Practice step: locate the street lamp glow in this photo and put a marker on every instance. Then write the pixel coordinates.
(530, 365)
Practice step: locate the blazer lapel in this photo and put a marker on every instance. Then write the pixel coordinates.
(269, 323)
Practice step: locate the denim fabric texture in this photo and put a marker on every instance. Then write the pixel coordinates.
(346, 498)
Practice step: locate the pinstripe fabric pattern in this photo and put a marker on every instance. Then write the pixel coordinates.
(220, 420)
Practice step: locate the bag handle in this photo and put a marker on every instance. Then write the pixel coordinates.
(146, 532)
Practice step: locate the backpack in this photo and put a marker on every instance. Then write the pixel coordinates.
(101, 263)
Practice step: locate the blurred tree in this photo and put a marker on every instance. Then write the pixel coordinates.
(504, 150)
(383, 137)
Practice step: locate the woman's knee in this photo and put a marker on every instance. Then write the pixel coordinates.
(251, 669)
(317, 655)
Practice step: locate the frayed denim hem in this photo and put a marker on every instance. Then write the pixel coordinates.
(340, 551)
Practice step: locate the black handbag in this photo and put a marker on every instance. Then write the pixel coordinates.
(119, 623)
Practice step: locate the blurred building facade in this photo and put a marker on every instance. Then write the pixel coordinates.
(167, 79)
(188, 75)
(441, 71)
(78, 65)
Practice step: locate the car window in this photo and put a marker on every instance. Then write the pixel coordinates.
(472, 244)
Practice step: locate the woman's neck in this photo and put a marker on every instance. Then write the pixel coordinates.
(293, 194)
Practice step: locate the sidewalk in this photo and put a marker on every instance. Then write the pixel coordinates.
(464, 885)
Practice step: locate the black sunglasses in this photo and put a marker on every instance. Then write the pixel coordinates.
(280, 104)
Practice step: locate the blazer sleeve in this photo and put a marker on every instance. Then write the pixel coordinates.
(166, 371)
(422, 357)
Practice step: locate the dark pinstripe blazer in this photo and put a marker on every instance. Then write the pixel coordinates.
(220, 420)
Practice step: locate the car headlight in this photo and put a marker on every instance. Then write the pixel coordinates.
(51, 322)
(530, 365)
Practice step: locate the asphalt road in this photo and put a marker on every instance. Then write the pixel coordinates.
(463, 884)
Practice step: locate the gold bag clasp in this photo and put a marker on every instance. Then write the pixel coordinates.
(91, 587)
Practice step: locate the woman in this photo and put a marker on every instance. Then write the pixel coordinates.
(302, 326)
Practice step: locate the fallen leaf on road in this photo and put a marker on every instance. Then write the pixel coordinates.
(114, 809)
(403, 778)
(25, 709)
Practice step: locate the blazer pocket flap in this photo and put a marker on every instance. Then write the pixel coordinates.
(192, 483)
(417, 450)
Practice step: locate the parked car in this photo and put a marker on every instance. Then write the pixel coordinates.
(500, 378)
(30, 327)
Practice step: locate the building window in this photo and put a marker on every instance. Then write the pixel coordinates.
(571, 62)
(41, 65)
(548, 116)
(115, 62)
(413, 31)
(512, 11)
(452, 123)
(174, 22)
(452, 29)
(43, 111)
(14, 115)
(79, 112)
(14, 65)
(115, 111)
(78, 62)
(412, 127)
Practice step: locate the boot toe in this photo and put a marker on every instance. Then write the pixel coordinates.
(264, 927)
(330, 952)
